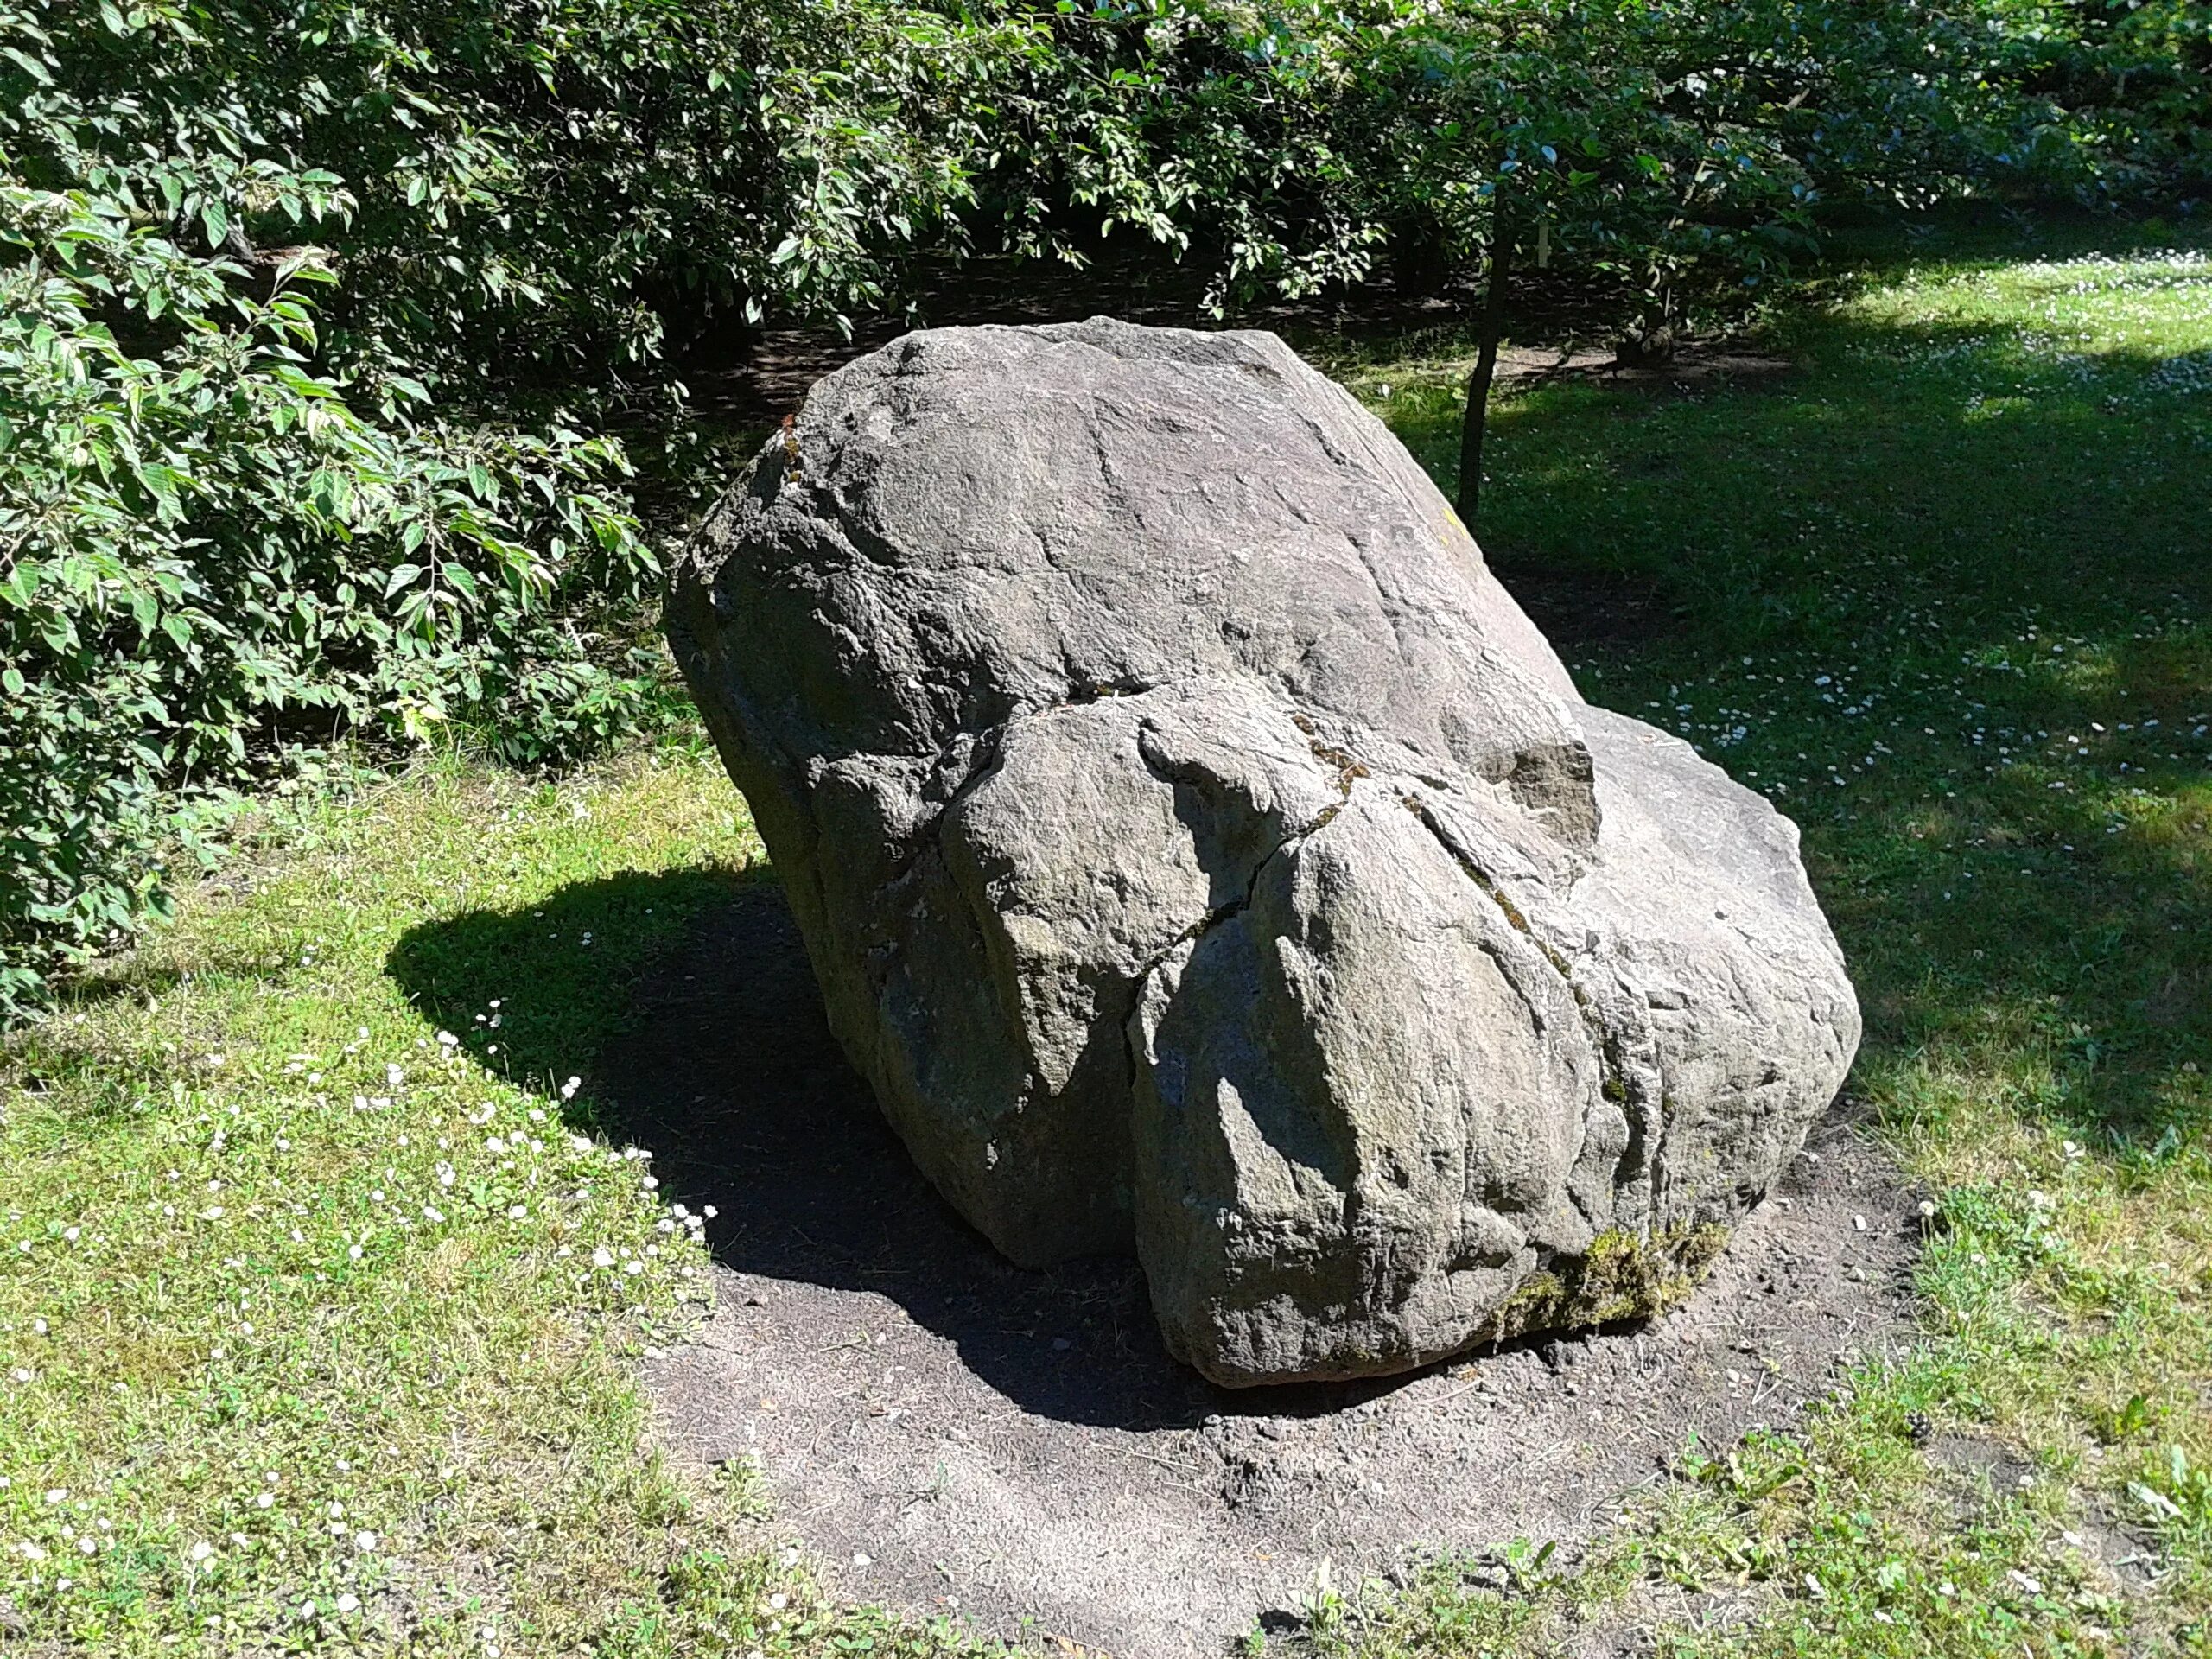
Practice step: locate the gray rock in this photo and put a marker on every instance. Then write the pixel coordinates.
(1202, 854)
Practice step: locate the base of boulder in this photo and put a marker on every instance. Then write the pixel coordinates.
(925, 1451)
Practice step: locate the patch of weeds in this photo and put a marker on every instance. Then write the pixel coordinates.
(1522, 1597)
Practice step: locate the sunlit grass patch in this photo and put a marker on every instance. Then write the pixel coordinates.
(1944, 593)
(317, 1317)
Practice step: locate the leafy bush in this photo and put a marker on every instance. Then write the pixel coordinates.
(233, 522)
(2111, 101)
(211, 552)
(236, 520)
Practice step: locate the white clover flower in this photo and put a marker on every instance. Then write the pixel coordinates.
(365, 1542)
(201, 1551)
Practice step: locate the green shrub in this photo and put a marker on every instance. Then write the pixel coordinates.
(2111, 100)
(235, 523)
(211, 552)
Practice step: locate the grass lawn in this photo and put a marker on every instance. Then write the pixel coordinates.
(321, 1296)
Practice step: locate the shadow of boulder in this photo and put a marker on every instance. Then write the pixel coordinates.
(708, 1047)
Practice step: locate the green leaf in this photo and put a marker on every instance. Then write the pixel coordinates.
(28, 65)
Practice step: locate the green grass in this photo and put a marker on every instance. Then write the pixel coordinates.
(1944, 591)
(318, 1318)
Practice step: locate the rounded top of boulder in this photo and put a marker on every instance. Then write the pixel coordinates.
(1049, 514)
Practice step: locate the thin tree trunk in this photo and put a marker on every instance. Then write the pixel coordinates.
(1486, 371)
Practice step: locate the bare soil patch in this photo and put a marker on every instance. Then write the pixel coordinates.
(1695, 364)
(953, 1435)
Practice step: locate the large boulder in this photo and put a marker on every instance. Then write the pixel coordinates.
(1202, 854)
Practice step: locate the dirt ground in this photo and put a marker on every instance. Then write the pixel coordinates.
(952, 1435)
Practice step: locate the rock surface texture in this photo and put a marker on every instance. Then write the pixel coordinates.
(1202, 854)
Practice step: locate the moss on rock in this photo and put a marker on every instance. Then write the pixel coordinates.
(1619, 1277)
